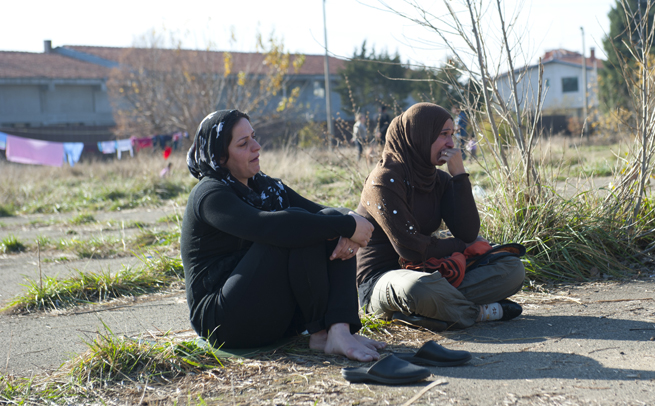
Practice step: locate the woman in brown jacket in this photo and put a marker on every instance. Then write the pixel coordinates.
(406, 198)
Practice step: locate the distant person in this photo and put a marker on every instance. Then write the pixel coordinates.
(359, 134)
(461, 134)
(361, 138)
(260, 261)
(382, 125)
(166, 171)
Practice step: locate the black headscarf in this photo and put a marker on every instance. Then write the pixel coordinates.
(204, 160)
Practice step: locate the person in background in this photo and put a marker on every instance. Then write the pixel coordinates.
(359, 134)
(407, 198)
(382, 125)
(260, 261)
(461, 133)
(166, 171)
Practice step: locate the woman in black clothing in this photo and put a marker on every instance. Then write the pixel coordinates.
(260, 261)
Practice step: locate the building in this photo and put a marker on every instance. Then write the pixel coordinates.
(41, 94)
(61, 94)
(563, 87)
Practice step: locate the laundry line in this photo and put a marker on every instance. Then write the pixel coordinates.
(51, 153)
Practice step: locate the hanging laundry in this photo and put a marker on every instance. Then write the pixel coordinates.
(140, 143)
(73, 151)
(124, 145)
(35, 152)
(107, 147)
(167, 152)
(3, 141)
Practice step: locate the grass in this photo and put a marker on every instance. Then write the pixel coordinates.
(96, 247)
(155, 274)
(38, 391)
(113, 358)
(371, 325)
(91, 186)
(153, 237)
(82, 219)
(171, 218)
(11, 244)
(6, 210)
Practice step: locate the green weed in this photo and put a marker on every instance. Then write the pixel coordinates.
(372, 324)
(160, 264)
(157, 272)
(150, 237)
(567, 239)
(6, 210)
(93, 248)
(43, 241)
(38, 391)
(12, 244)
(171, 218)
(114, 358)
(83, 219)
(52, 293)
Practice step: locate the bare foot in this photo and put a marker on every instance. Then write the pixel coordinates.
(372, 344)
(340, 341)
(318, 340)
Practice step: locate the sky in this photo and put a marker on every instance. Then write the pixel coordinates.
(539, 25)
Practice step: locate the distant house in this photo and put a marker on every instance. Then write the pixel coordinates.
(41, 94)
(563, 86)
(61, 94)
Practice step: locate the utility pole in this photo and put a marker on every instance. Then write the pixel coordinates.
(584, 89)
(328, 103)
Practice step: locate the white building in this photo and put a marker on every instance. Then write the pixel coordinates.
(562, 84)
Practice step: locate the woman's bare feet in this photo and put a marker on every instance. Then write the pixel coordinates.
(340, 341)
(372, 344)
(318, 340)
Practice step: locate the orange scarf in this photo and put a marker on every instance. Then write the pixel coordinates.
(453, 267)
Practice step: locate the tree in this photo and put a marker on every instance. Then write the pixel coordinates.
(160, 89)
(365, 80)
(614, 91)
(443, 86)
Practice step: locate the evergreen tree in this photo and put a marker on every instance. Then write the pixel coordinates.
(613, 86)
(365, 81)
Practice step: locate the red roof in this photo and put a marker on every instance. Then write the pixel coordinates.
(570, 57)
(50, 66)
(211, 61)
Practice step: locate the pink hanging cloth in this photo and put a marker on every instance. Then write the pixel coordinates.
(34, 152)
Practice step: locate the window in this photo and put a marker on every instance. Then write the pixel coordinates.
(569, 85)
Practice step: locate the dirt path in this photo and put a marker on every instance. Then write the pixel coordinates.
(589, 344)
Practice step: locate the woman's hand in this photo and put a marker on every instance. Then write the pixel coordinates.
(345, 249)
(453, 157)
(363, 230)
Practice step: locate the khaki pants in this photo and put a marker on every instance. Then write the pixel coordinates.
(431, 295)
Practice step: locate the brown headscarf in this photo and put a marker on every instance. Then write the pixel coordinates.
(409, 140)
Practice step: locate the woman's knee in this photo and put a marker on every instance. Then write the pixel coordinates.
(514, 271)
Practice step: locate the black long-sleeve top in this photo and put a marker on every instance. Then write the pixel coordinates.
(219, 227)
(404, 229)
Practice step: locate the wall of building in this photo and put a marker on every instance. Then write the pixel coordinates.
(47, 103)
(555, 98)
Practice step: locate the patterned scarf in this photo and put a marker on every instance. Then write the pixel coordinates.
(203, 160)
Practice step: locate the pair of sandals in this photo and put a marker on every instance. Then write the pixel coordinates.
(403, 368)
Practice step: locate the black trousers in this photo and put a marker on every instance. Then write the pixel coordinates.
(276, 292)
